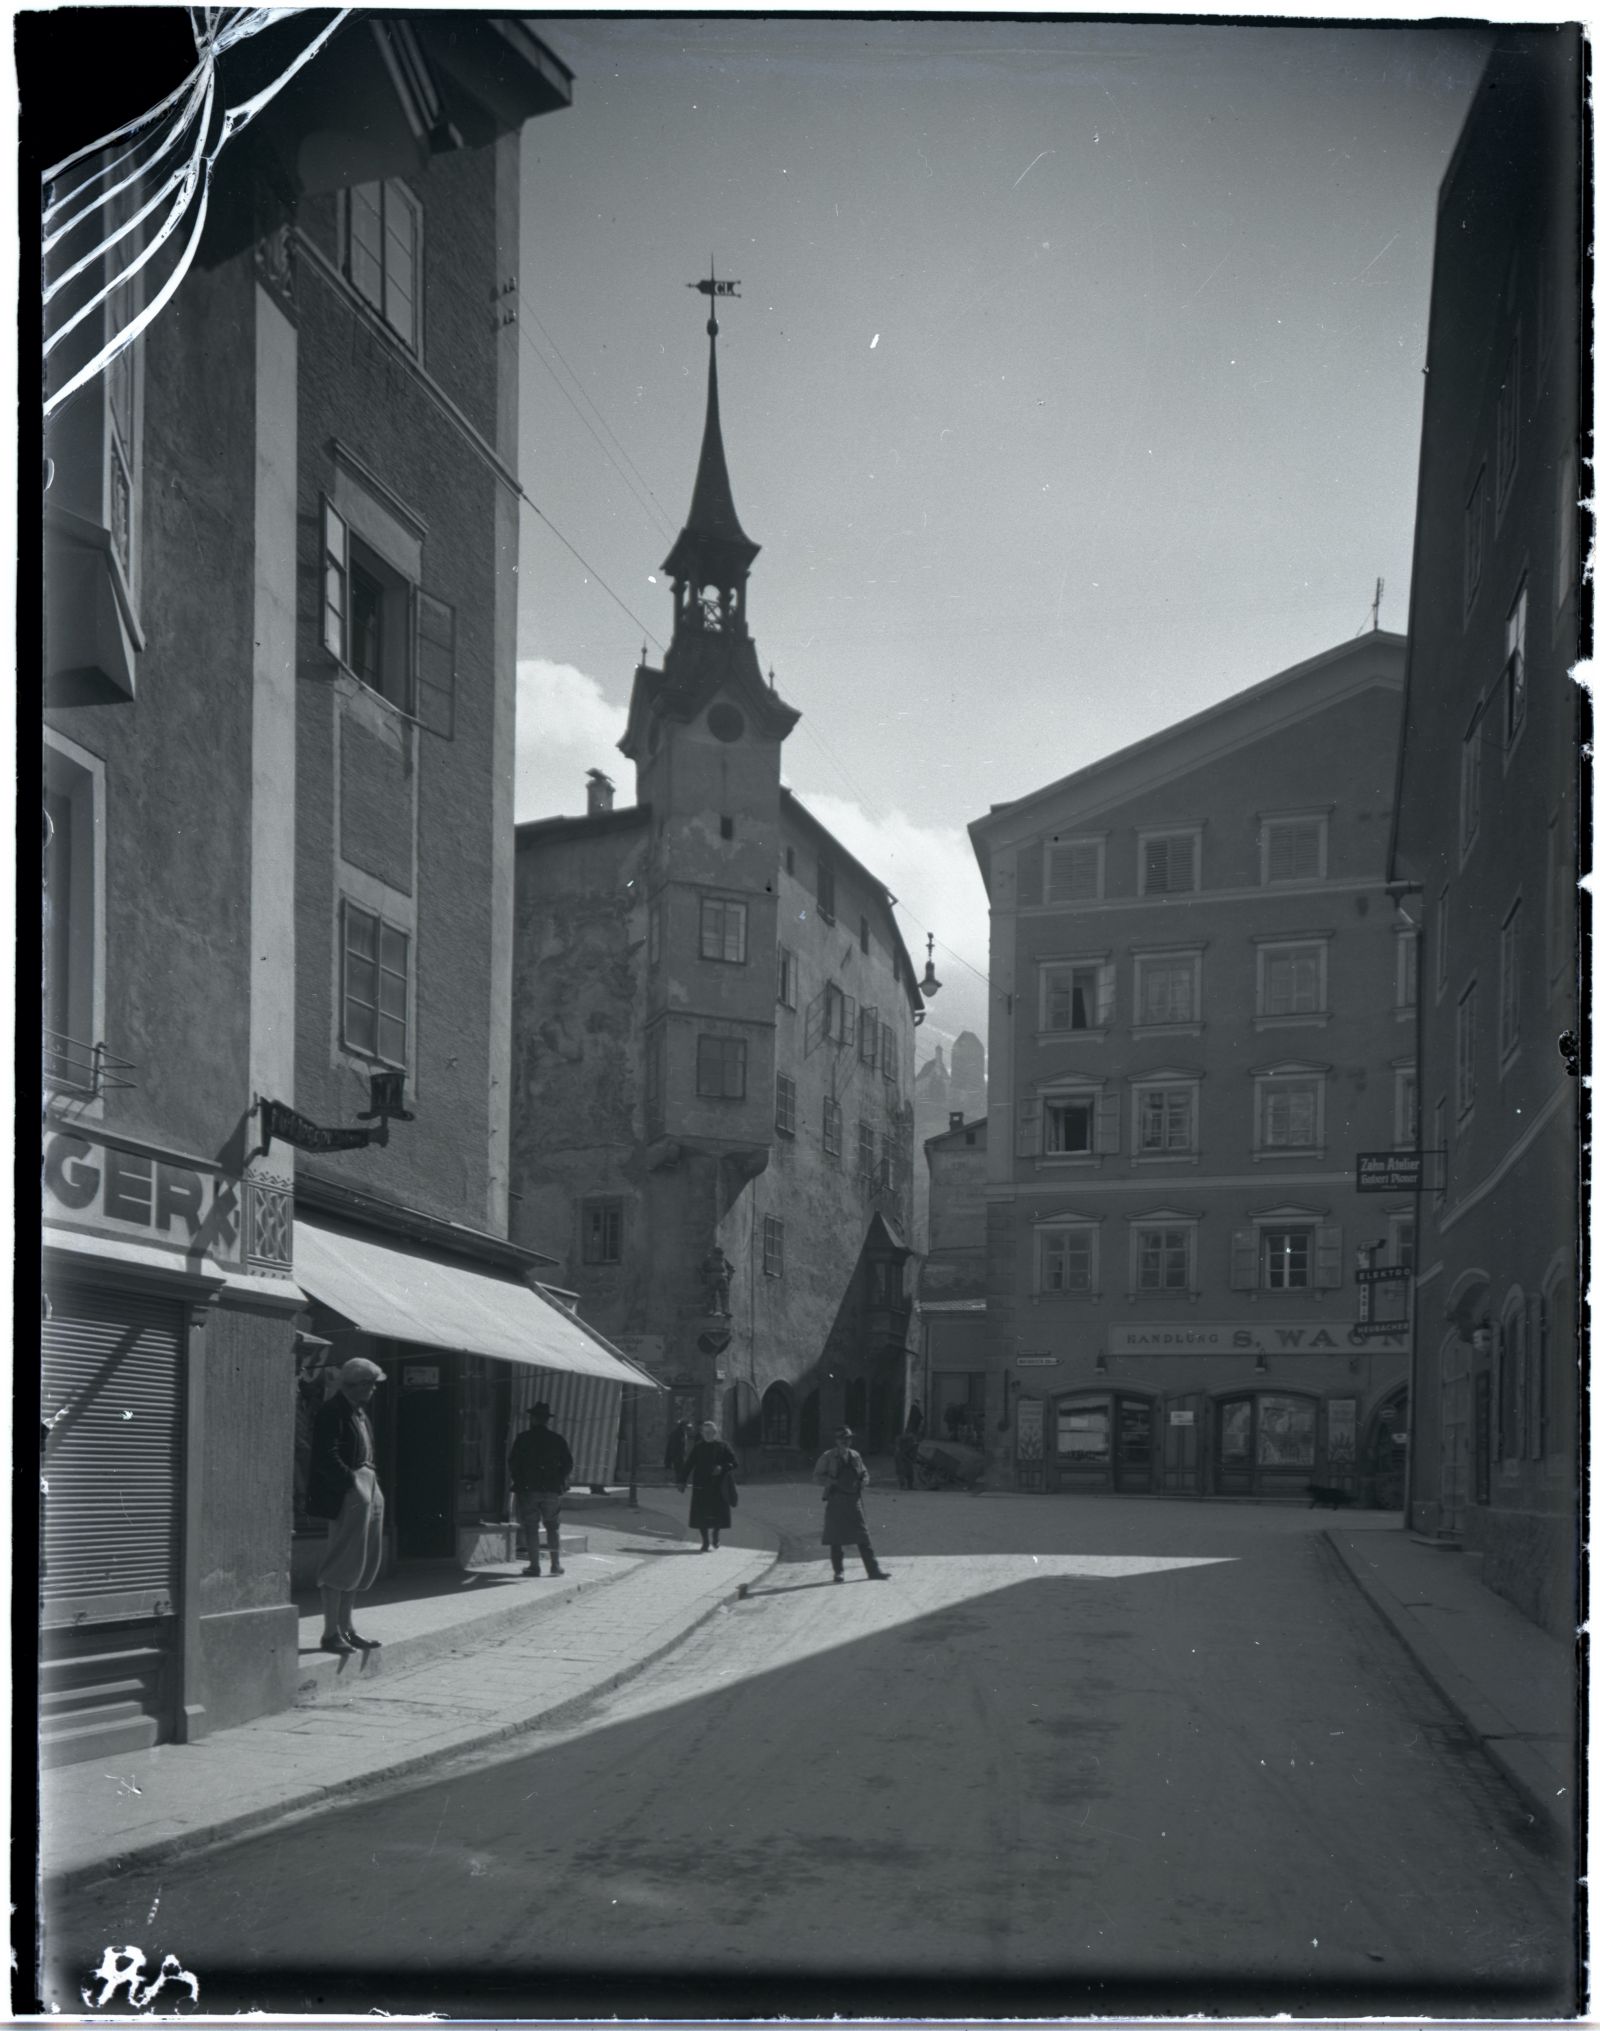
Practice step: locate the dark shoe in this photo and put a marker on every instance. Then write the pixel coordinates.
(880, 1574)
(838, 1579)
(530, 1572)
(363, 1642)
(336, 1646)
(702, 1547)
(556, 1571)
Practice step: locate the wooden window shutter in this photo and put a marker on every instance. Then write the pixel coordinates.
(1330, 1258)
(1108, 1123)
(1030, 1122)
(1106, 996)
(335, 582)
(436, 665)
(1030, 875)
(1246, 1260)
(816, 1020)
(847, 1020)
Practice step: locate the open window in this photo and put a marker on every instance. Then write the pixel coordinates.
(381, 625)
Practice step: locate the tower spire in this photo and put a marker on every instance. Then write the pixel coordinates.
(711, 559)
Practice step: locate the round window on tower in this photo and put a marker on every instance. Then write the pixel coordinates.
(725, 721)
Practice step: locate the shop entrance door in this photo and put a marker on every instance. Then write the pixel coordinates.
(1130, 1458)
(1181, 1432)
(423, 1493)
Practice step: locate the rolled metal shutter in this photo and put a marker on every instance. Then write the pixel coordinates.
(113, 1404)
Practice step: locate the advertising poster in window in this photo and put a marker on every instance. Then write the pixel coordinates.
(1286, 1432)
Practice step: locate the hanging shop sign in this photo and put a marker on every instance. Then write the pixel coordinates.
(1250, 1336)
(1395, 1170)
(388, 1095)
(133, 1194)
(1383, 1300)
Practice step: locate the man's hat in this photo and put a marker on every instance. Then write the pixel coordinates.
(360, 1369)
(539, 1410)
(843, 1432)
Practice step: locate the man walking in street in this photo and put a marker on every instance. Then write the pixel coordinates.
(541, 1470)
(843, 1474)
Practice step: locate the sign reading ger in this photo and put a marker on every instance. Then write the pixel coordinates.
(116, 1191)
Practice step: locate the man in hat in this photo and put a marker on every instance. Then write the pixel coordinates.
(343, 1486)
(541, 1471)
(843, 1474)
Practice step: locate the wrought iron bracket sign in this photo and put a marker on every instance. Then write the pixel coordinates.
(388, 1103)
(1399, 1170)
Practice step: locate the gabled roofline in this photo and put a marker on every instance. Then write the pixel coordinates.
(790, 802)
(966, 1128)
(1011, 819)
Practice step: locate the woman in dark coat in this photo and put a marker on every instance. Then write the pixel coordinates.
(704, 1466)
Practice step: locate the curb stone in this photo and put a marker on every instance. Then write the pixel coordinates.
(350, 1790)
(1483, 1721)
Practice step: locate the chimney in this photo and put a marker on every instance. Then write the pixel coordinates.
(601, 792)
(956, 1117)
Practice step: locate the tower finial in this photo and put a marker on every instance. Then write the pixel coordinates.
(713, 288)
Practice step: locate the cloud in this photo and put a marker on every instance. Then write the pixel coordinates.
(566, 726)
(931, 869)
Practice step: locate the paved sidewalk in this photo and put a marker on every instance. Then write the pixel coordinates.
(513, 1673)
(1512, 1685)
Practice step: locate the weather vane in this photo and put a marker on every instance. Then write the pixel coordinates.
(713, 288)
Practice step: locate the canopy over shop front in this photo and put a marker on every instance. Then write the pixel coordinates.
(398, 1295)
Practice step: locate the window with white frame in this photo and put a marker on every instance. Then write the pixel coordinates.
(1286, 1258)
(1405, 970)
(788, 978)
(1069, 1123)
(1067, 1259)
(1288, 1249)
(722, 929)
(1294, 850)
(1467, 1051)
(1074, 870)
(1169, 863)
(1471, 783)
(1407, 1122)
(1164, 1114)
(783, 1116)
(771, 1245)
(1474, 541)
(383, 254)
(601, 1225)
(1292, 979)
(1289, 1111)
(1516, 670)
(720, 1067)
(838, 1014)
(1166, 988)
(74, 911)
(384, 628)
(1076, 994)
(1163, 1257)
(376, 986)
(1511, 981)
(1507, 426)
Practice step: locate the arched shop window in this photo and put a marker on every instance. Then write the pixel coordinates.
(776, 1421)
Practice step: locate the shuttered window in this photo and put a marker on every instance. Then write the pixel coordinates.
(112, 1373)
(1168, 861)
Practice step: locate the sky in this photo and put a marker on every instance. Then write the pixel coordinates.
(1074, 383)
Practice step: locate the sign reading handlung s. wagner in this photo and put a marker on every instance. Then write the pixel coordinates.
(150, 1196)
(1252, 1336)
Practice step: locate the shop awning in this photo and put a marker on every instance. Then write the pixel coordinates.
(399, 1295)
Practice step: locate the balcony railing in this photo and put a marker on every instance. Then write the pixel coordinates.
(84, 1070)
